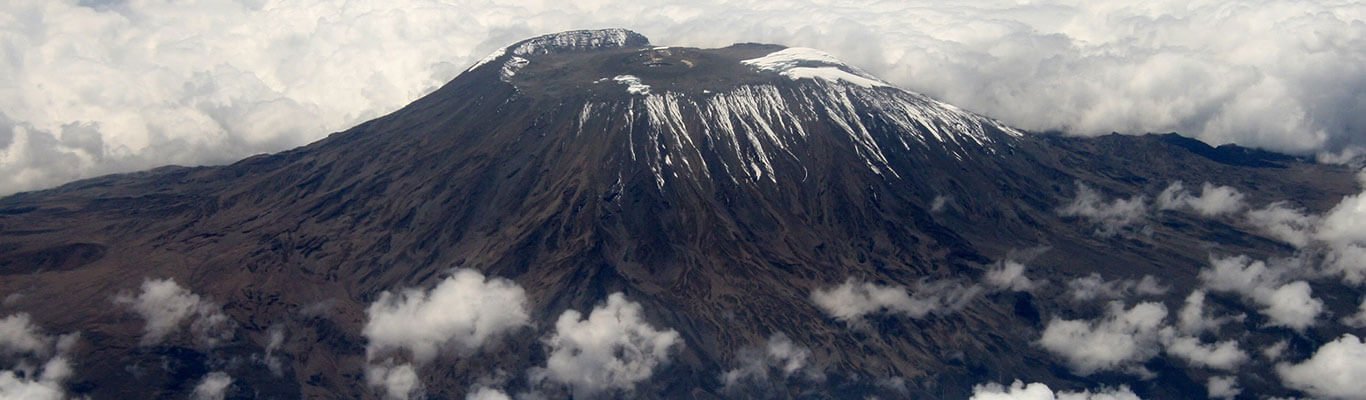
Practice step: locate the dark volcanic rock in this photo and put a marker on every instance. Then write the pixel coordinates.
(717, 193)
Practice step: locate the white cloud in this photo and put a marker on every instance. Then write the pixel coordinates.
(1275, 350)
(1334, 371)
(42, 367)
(1212, 201)
(1357, 320)
(462, 312)
(1223, 387)
(398, 381)
(1224, 355)
(275, 338)
(1093, 287)
(939, 203)
(1291, 305)
(779, 356)
(214, 386)
(1111, 217)
(1193, 320)
(486, 393)
(44, 384)
(614, 348)
(852, 300)
(1009, 275)
(1039, 391)
(166, 306)
(1343, 229)
(19, 335)
(1338, 236)
(1284, 223)
(146, 83)
(1121, 340)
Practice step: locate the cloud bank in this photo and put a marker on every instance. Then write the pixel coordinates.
(98, 86)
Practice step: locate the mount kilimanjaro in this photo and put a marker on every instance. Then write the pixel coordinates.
(775, 222)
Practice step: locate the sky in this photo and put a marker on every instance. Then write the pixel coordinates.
(94, 87)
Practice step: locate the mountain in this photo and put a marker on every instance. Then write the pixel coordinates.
(723, 191)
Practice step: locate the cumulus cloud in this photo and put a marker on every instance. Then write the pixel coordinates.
(143, 83)
(1275, 350)
(1095, 287)
(1291, 304)
(1338, 237)
(852, 300)
(779, 357)
(1212, 201)
(275, 337)
(1121, 340)
(41, 365)
(1194, 320)
(460, 313)
(939, 203)
(399, 381)
(1343, 230)
(166, 306)
(214, 386)
(1284, 223)
(486, 393)
(1334, 371)
(614, 348)
(1224, 355)
(1039, 391)
(1223, 387)
(1111, 217)
(1357, 320)
(1009, 275)
(19, 335)
(42, 384)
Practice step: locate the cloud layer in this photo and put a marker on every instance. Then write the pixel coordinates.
(98, 86)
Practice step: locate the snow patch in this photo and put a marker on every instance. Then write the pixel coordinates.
(511, 67)
(633, 85)
(580, 40)
(804, 63)
(488, 59)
